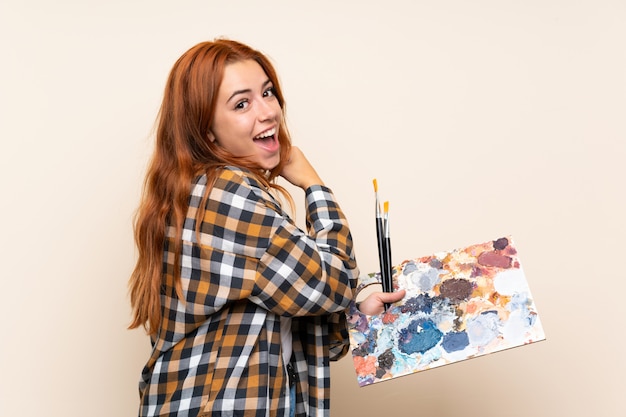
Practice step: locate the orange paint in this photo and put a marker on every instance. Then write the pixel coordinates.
(389, 317)
(365, 365)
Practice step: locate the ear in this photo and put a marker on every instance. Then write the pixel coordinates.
(210, 136)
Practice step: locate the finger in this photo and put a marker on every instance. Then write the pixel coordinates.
(391, 297)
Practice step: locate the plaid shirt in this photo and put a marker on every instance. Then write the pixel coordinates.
(218, 352)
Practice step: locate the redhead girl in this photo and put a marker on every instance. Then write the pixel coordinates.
(244, 310)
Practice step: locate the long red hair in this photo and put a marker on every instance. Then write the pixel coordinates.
(182, 152)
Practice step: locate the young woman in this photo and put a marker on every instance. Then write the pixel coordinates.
(243, 308)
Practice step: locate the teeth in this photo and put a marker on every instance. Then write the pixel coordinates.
(265, 134)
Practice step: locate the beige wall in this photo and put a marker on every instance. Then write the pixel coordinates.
(478, 118)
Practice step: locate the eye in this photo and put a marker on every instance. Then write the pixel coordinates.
(270, 92)
(242, 104)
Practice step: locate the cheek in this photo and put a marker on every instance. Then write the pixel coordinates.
(279, 111)
(227, 131)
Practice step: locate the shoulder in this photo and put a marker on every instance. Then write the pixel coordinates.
(233, 186)
(230, 175)
(238, 215)
(227, 178)
(237, 182)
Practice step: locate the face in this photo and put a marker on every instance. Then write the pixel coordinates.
(247, 115)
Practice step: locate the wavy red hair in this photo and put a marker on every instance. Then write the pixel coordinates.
(182, 152)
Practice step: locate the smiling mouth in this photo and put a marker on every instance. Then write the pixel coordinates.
(267, 139)
(267, 135)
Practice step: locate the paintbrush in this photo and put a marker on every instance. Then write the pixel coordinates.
(387, 247)
(380, 237)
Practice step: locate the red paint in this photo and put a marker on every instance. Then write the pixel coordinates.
(494, 259)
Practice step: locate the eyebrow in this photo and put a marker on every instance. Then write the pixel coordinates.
(247, 90)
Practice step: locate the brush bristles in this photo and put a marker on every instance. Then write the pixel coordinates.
(386, 206)
(375, 185)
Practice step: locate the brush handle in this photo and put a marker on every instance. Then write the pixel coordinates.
(380, 238)
(387, 247)
(388, 265)
(382, 257)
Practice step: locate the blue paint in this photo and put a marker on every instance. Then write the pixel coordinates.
(522, 303)
(419, 336)
(368, 346)
(519, 302)
(366, 381)
(483, 328)
(455, 341)
(409, 267)
(422, 303)
(428, 279)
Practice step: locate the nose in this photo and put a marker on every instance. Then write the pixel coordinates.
(267, 110)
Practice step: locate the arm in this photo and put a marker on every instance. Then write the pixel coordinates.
(316, 268)
(301, 173)
(252, 250)
(338, 337)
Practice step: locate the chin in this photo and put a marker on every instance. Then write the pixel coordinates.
(269, 164)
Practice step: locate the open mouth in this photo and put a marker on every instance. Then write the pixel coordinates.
(267, 140)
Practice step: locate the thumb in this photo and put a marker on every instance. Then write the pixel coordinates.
(392, 297)
(374, 303)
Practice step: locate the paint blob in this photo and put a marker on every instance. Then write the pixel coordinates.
(456, 289)
(419, 337)
(501, 243)
(494, 259)
(455, 341)
(484, 328)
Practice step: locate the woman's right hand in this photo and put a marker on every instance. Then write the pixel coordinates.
(299, 171)
(375, 302)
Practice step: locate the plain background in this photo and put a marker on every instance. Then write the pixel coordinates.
(479, 119)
